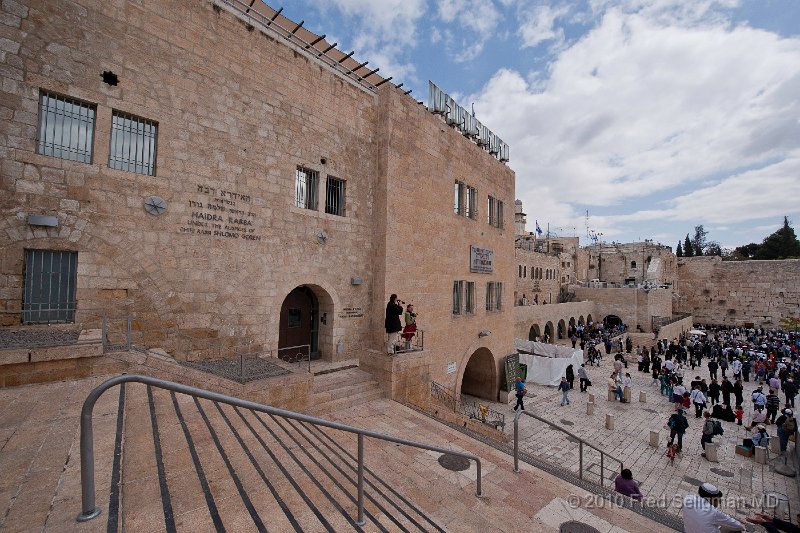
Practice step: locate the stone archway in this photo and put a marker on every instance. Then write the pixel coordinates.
(549, 332)
(572, 325)
(611, 321)
(535, 333)
(581, 321)
(562, 329)
(306, 323)
(589, 319)
(480, 376)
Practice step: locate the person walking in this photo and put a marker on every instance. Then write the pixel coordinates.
(564, 388)
(712, 368)
(583, 376)
(790, 390)
(699, 401)
(727, 388)
(708, 431)
(677, 425)
(570, 376)
(772, 405)
(713, 392)
(519, 392)
(787, 426)
(392, 323)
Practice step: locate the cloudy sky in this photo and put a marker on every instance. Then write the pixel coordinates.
(653, 115)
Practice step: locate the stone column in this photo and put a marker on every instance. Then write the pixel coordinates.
(654, 438)
(609, 421)
(712, 452)
(642, 396)
(590, 408)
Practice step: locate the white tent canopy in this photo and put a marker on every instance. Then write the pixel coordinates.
(696, 332)
(547, 363)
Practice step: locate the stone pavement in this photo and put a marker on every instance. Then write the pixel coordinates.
(186, 466)
(737, 476)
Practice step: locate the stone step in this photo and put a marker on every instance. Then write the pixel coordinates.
(343, 391)
(346, 402)
(334, 380)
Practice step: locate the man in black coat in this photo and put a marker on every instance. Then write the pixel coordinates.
(392, 322)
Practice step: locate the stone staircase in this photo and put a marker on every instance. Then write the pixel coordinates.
(342, 389)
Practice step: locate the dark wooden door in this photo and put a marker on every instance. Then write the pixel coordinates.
(296, 322)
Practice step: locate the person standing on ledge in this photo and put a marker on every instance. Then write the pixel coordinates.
(392, 322)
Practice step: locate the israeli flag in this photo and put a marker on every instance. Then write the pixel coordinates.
(538, 229)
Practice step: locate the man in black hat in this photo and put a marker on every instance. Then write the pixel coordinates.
(700, 512)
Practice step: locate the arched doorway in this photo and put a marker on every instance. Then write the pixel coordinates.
(581, 322)
(306, 323)
(562, 329)
(588, 319)
(571, 326)
(611, 321)
(549, 333)
(535, 334)
(480, 375)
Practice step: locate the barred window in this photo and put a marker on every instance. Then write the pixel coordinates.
(495, 212)
(66, 127)
(469, 304)
(494, 296)
(458, 200)
(470, 203)
(458, 290)
(305, 190)
(133, 144)
(334, 197)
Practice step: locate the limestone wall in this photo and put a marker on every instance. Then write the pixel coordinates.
(537, 317)
(635, 307)
(532, 278)
(738, 292)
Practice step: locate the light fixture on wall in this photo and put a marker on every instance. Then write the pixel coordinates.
(484, 333)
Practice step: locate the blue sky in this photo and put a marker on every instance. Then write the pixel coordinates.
(653, 115)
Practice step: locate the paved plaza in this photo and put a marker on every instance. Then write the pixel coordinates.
(737, 476)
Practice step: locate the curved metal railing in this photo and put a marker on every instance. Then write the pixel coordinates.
(581, 444)
(89, 508)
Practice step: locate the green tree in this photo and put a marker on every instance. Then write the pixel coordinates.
(745, 252)
(688, 250)
(679, 250)
(713, 248)
(699, 240)
(780, 245)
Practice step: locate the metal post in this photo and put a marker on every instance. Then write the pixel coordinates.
(241, 366)
(516, 442)
(103, 332)
(580, 460)
(602, 469)
(128, 339)
(361, 520)
(479, 493)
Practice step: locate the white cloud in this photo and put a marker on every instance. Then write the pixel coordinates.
(538, 25)
(476, 22)
(657, 95)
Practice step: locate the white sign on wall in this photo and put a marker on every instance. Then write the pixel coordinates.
(481, 259)
(451, 368)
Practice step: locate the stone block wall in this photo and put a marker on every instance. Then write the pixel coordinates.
(738, 292)
(531, 278)
(635, 307)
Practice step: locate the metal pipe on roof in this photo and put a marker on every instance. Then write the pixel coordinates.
(250, 7)
(383, 81)
(297, 27)
(370, 73)
(278, 12)
(356, 68)
(315, 41)
(331, 47)
(345, 57)
(398, 86)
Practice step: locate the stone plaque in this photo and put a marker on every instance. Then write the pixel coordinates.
(352, 312)
(481, 259)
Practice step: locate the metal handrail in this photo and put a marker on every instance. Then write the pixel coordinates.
(278, 352)
(581, 443)
(89, 508)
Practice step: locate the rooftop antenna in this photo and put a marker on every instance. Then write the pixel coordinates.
(473, 109)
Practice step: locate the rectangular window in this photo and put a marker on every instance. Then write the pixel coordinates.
(305, 190)
(133, 144)
(469, 306)
(458, 290)
(66, 127)
(49, 294)
(458, 200)
(471, 202)
(494, 295)
(495, 215)
(334, 197)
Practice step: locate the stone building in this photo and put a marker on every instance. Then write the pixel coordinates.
(632, 263)
(221, 174)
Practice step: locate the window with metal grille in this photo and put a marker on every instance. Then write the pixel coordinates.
(305, 188)
(498, 297)
(495, 212)
(334, 197)
(458, 200)
(133, 144)
(499, 222)
(458, 290)
(66, 127)
(469, 297)
(490, 211)
(470, 204)
(490, 294)
(50, 278)
(494, 295)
